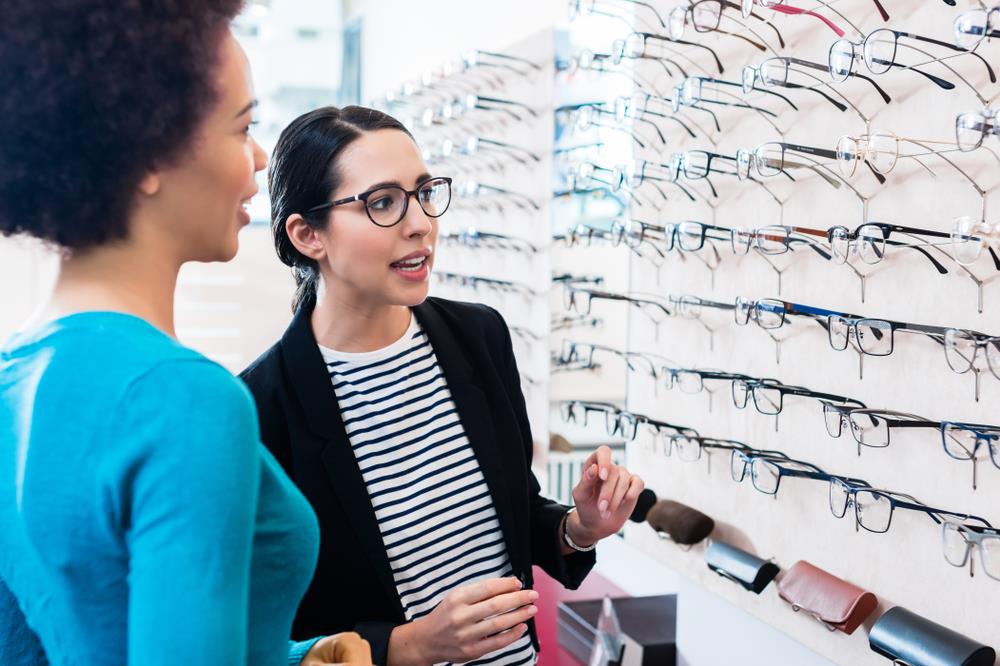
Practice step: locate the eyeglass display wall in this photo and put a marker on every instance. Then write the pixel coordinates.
(811, 295)
(767, 259)
(485, 119)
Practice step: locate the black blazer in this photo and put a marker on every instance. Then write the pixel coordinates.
(352, 588)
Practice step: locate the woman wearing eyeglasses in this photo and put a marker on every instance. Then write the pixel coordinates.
(141, 520)
(401, 416)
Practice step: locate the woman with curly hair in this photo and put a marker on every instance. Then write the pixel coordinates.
(141, 520)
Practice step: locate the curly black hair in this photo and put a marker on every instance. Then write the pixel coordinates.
(96, 94)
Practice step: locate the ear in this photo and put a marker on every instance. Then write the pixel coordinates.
(305, 239)
(150, 184)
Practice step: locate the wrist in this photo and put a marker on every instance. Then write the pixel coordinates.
(578, 533)
(406, 646)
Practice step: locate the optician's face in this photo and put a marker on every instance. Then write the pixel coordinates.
(380, 265)
(205, 194)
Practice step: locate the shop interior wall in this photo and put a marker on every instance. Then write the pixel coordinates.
(904, 566)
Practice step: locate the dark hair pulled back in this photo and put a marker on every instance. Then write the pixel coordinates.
(305, 171)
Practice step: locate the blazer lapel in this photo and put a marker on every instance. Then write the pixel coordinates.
(474, 414)
(311, 383)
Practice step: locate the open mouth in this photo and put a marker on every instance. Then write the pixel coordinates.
(410, 265)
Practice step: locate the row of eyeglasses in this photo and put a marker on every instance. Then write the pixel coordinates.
(964, 350)
(873, 508)
(871, 428)
(970, 27)
(880, 151)
(870, 242)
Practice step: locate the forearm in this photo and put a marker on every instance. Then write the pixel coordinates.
(405, 647)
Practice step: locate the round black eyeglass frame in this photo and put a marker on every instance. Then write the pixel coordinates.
(363, 197)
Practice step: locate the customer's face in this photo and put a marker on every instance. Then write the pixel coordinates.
(361, 258)
(202, 198)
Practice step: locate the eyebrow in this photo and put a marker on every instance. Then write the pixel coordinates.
(422, 178)
(252, 105)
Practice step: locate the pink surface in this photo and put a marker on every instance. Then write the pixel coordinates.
(550, 593)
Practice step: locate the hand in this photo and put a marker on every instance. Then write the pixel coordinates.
(347, 649)
(471, 621)
(604, 499)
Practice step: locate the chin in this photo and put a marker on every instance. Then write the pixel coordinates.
(414, 296)
(229, 253)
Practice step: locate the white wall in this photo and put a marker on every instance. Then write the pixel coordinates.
(401, 38)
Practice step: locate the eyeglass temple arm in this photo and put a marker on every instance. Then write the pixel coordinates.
(829, 396)
(756, 45)
(910, 231)
(764, 113)
(715, 118)
(953, 47)
(715, 56)
(506, 56)
(656, 128)
(936, 80)
(785, 9)
(511, 147)
(763, 90)
(813, 65)
(826, 84)
(760, 38)
(798, 86)
(814, 167)
(753, 14)
(668, 117)
(881, 10)
(683, 56)
(819, 165)
(904, 423)
(980, 191)
(813, 245)
(801, 473)
(934, 513)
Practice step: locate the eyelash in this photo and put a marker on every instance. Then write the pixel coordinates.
(254, 123)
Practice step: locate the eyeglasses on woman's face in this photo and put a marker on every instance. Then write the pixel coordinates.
(386, 205)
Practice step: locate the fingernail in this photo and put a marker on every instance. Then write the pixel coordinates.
(604, 474)
(532, 595)
(603, 506)
(533, 610)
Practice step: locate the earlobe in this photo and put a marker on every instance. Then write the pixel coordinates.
(150, 184)
(304, 237)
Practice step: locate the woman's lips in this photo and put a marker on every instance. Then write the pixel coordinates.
(413, 270)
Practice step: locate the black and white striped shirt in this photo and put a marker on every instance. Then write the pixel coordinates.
(433, 506)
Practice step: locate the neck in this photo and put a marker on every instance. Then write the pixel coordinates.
(353, 325)
(119, 277)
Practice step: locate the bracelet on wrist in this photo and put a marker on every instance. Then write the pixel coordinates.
(566, 538)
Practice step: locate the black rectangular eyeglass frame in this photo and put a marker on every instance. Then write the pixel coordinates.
(751, 386)
(895, 503)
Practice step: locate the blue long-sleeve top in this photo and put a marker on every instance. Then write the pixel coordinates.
(141, 520)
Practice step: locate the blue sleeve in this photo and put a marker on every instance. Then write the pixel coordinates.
(297, 650)
(184, 494)
(19, 646)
